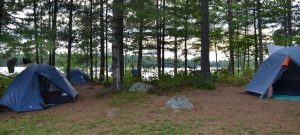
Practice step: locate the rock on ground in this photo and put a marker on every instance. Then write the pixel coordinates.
(179, 102)
(140, 87)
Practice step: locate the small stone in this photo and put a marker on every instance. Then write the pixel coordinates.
(179, 102)
(140, 87)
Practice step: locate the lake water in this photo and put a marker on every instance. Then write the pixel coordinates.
(147, 73)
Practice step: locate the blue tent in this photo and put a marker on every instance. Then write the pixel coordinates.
(30, 89)
(281, 70)
(78, 77)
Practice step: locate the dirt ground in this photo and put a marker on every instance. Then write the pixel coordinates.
(226, 110)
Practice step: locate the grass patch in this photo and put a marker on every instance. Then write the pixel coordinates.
(163, 128)
(124, 98)
(35, 125)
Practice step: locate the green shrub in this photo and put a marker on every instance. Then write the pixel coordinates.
(223, 77)
(168, 84)
(5, 82)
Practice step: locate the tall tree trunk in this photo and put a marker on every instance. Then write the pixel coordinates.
(216, 54)
(260, 38)
(231, 48)
(158, 42)
(102, 57)
(185, 37)
(175, 55)
(205, 65)
(255, 40)
(163, 40)
(54, 20)
(36, 32)
(238, 61)
(91, 41)
(50, 31)
(106, 41)
(140, 49)
(117, 42)
(1, 15)
(246, 48)
(289, 21)
(70, 39)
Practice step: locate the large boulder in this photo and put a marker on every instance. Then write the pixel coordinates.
(179, 102)
(140, 87)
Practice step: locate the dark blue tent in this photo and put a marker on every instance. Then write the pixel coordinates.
(78, 77)
(281, 70)
(30, 89)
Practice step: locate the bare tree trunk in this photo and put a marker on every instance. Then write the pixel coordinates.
(70, 39)
(106, 41)
(54, 20)
(102, 57)
(91, 42)
(216, 53)
(50, 31)
(163, 40)
(289, 21)
(255, 40)
(1, 15)
(238, 60)
(185, 37)
(158, 42)
(117, 32)
(205, 65)
(140, 47)
(35, 32)
(231, 48)
(260, 45)
(175, 55)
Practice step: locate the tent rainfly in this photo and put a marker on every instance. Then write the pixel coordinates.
(281, 70)
(29, 91)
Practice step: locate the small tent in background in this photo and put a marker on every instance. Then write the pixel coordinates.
(78, 77)
(281, 70)
(30, 89)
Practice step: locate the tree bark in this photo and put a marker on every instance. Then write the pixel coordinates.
(140, 49)
(54, 20)
(158, 42)
(70, 39)
(205, 65)
(106, 41)
(185, 37)
(91, 41)
(35, 32)
(175, 55)
(117, 36)
(216, 54)
(1, 15)
(102, 55)
(259, 26)
(255, 40)
(289, 21)
(163, 40)
(231, 48)
(50, 31)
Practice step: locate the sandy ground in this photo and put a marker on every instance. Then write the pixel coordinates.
(226, 110)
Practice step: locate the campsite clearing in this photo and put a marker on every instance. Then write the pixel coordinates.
(226, 110)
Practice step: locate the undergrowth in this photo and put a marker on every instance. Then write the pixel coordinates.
(238, 79)
(168, 84)
(5, 82)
